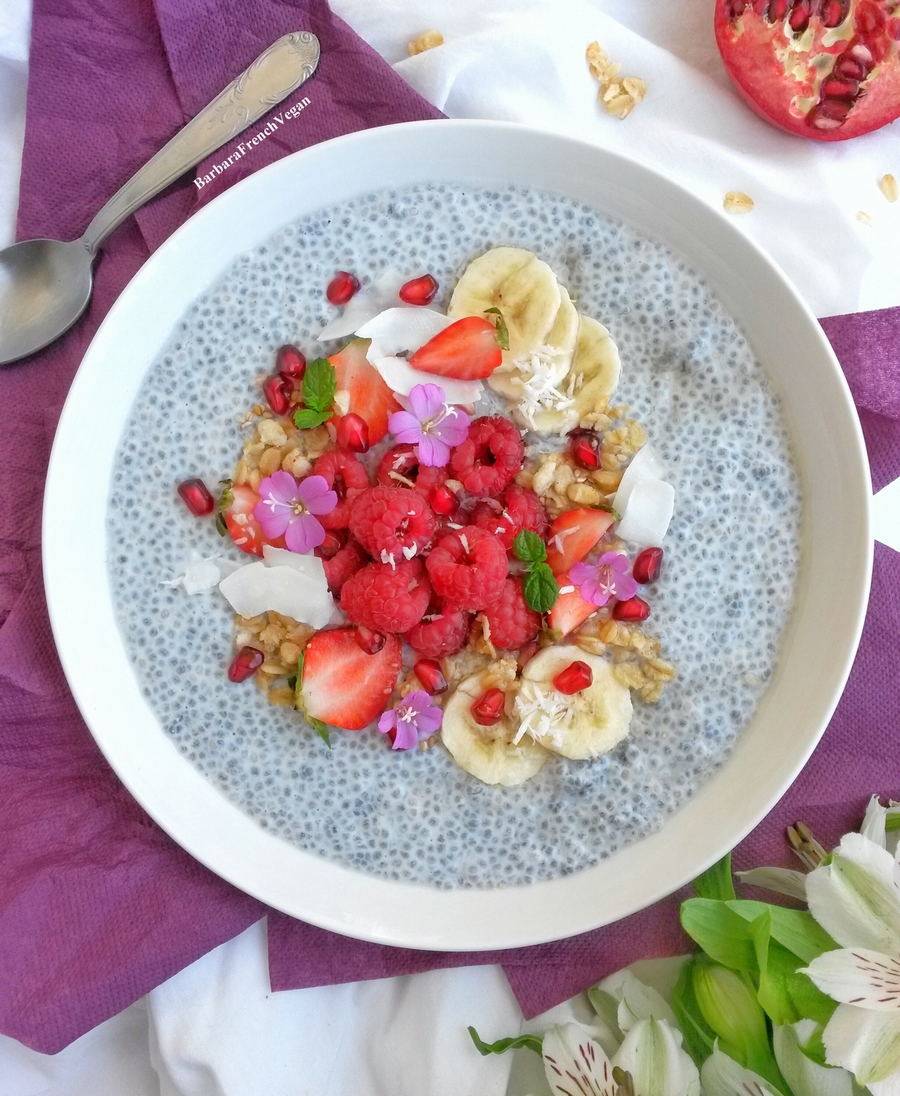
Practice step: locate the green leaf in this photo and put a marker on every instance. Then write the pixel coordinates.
(892, 821)
(226, 495)
(319, 384)
(307, 419)
(723, 934)
(529, 547)
(786, 995)
(317, 725)
(814, 1047)
(699, 1037)
(540, 588)
(500, 324)
(794, 929)
(532, 1042)
(221, 525)
(320, 728)
(716, 882)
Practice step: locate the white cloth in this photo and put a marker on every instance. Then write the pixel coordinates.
(214, 1029)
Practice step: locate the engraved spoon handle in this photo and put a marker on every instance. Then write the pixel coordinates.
(278, 71)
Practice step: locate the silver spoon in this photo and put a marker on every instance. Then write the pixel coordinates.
(45, 285)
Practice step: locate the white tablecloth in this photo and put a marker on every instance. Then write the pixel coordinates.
(215, 1029)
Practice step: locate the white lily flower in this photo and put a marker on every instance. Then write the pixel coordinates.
(873, 825)
(781, 880)
(856, 898)
(723, 1076)
(574, 1062)
(636, 1001)
(804, 1076)
(659, 1066)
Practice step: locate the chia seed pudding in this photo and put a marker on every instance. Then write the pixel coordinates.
(688, 376)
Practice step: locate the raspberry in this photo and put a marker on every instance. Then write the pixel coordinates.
(521, 509)
(346, 562)
(391, 521)
(401, 464)
(488, 460)
(344, 474)
(443, 635)
(386, 598)
(466, 568)
(512, 623)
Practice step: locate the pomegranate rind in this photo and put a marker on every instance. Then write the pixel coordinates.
(752, 52)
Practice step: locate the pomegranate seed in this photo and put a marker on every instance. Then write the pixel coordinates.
(488, 710)
(278, 392)
(331, 545)
(736, 8)
(778, 9)
(419, 290)
(290, 362)
(584, 445)
(353, 433)
(371, 642)
(833, 13)
(838, 89)
(829, 114)
(635, 608)
(342, 287)
(647, 566)
(245, 663)
(429, 672)
(848, 68)
(869, 20)
(575, 677)
(893, 28)
(196, 497)
(760, 6)
(443, 501)
(526, 654)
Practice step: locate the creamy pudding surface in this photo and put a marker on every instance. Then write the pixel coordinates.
(720, 608)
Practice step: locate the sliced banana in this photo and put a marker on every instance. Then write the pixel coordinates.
(517, 282)
(488, 753)
(582, 725)
(540, 373)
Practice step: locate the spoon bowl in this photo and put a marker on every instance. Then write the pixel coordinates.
(45, 285)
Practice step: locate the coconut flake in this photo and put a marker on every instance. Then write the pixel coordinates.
(401, 378)
(287, 589)
(651, 504)
(365, 305)
(201, 573)
(543, 715)
(645, 465)
(404, 328)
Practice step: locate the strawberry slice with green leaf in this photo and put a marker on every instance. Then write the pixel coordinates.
(573, 534)
(469, 349)
(369, 396)
(343, 685)
(570, 609)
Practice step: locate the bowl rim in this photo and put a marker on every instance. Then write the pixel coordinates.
(183, 803)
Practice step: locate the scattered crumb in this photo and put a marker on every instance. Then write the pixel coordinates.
(737, 202)
(888, 187)
(429, 40)
(619, 96)
(864, 218)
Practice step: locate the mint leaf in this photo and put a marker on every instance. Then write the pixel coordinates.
(716, 881)
(502, 330)
(319, 384)
(540, 588)
(306, 419)
(533, 1042)
(529, 547)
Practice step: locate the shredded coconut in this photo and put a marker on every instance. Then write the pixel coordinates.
(543, 715)
(539, 384)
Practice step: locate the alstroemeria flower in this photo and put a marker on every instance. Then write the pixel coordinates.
(607, 579)
(288, 508)
(723, 1076)
(414, 719)
(431, 424)
(856, 898)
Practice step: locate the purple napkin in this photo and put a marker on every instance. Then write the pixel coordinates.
(97, 905)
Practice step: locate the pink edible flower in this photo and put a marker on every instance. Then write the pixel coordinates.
(607, 579)
(288, 508)
(431, 424)
(414, 719)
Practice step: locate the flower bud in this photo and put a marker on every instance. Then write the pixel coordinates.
(727, 1000)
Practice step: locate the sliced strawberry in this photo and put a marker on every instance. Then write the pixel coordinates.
(245, 530)
(569, 610)
(343, 685)
(573, 534)
(467, 350)
(370, 397)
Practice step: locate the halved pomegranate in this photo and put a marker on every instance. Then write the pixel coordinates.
(825, 69)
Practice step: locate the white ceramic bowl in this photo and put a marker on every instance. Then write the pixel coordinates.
(817, 649)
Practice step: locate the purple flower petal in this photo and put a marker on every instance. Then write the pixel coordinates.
(430, 720)
(303, 534)
(280, 486)
(580, 572)
(387, 720)
(432, 451)
(316, 495)
(406, 738)
(426, 401)
(405, 427)
(273, 519)
(454, 428)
